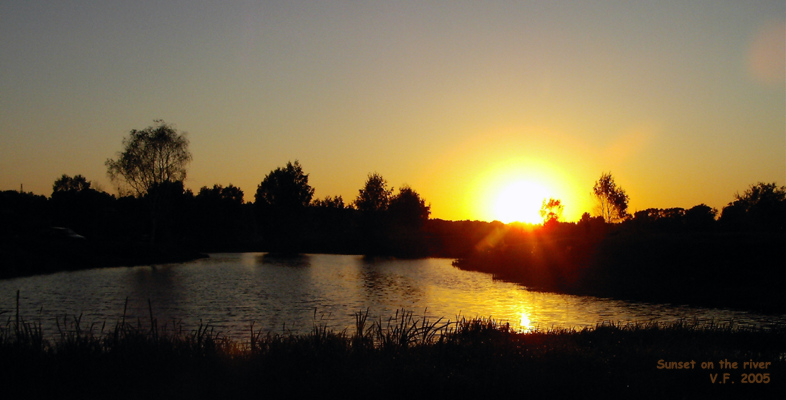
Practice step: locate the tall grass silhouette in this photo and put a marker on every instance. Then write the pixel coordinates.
(402, 355)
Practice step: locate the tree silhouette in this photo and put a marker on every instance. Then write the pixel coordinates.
(281, 200)
(333, 226)
(285, 188)
(551, 211)
(150, 157)
(68, 184)
(230, 195)
(218, 218)
(762, 206)
(760, 195)
(407, 215)
(336, 202)
(372, 202)
(76, 205)
(407, 208)
(612, 199)
(169, 203)
(700, 217)
(375, 195)
(151, 164)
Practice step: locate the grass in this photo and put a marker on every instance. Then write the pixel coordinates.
(401, 356)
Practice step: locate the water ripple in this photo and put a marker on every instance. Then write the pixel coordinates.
(231, 290)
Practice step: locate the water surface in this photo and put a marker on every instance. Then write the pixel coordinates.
(230, 291)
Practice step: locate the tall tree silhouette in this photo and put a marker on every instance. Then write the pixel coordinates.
(408, 215)
(285, 188)
(152, 160)
(150, 157)
(375, 195)
(612, 199)
(281, 200)
(408, 209)
(372, 202)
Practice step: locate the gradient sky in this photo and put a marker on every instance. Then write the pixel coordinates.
(683, 101)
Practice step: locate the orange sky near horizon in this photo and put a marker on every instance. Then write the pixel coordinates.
(684, 103)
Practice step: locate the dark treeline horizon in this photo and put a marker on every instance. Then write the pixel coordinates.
(383, 223)
(691, 256)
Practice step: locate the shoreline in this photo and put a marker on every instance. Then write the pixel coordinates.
(572, 265)
(27, 259)
(708, 270)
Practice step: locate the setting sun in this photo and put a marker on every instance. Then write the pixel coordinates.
(520, 201)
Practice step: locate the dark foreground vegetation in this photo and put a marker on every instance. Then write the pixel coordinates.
(402, 357)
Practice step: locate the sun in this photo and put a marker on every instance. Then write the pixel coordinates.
(520, 201)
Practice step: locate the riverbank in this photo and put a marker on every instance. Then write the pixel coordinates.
(738, 270)
(724, 270)
(34, 257)
(404, 356)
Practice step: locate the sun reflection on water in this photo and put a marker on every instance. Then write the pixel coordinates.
(229, 291)
(525, 323)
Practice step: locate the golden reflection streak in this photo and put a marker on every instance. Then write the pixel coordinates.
(525, 324)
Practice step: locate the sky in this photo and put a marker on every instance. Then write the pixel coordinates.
(684, 102)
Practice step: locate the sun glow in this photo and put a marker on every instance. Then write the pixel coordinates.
(512, 189)
(520, 201)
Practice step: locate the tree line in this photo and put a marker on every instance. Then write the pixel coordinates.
(761, 207)
(154, 211)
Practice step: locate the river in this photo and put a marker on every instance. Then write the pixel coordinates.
(279, 295)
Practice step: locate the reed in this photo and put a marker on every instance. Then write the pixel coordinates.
(405, 352)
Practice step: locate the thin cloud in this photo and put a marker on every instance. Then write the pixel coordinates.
(767, 54)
